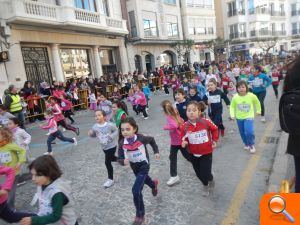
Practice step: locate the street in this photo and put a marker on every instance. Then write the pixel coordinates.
(241, 178)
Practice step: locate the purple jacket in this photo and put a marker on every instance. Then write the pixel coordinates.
(174, 130)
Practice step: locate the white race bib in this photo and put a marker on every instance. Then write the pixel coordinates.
(244, 107)
(215, 98)
(63, 104)
(257, 82)
(275, 79)
(198, 137)
(5, 157)
(185, 88)
(225, 83)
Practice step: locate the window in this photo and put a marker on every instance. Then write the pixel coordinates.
(241, 9)
(200, 3)
(282, 12)
(105, 8)
(133, 30)
(242, 28)
(294, 28)
(233, 31)
(283, 27)
(172, 29)
(171, 2)
(89, 5)
(231, 9)
(201, 26)
(150, 29)
(273, 27)
(272, 9)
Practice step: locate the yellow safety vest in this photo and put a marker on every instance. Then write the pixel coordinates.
(15, 105)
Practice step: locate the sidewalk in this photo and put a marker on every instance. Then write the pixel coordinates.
(283, 166)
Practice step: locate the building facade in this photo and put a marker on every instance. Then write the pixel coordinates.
(295, 24)
(53, 40)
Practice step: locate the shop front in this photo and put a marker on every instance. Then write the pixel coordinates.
(240, 52)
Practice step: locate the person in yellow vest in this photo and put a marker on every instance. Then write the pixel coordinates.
(13, 104)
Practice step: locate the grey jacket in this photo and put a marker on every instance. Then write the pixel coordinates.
(107, 135)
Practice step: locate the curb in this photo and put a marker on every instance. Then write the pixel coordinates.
(281, 166)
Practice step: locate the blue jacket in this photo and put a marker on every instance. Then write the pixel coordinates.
(146, 91)
(260, 82)
(181, 108)
(201, 90)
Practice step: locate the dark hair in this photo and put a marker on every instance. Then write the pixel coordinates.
(212, 80)
(194, 88)
(180, 91)
(15, 120)
(121, 105)
(259, 68)
(55, 99)
(241, 83)
(46, 166)
(292, 79)
(3, 107)
(101, 111)
(200, 105)
(132, 123)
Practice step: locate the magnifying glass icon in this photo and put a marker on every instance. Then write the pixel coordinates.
(277, 205)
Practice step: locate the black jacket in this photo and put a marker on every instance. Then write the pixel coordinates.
(293, 147)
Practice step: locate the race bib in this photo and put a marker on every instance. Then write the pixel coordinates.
(225, 83)
(244, 107)
(215, 99)
(257, 82)
(63, 104)
(5, 157)
(275, 79)
(198, 137)
(185, 88)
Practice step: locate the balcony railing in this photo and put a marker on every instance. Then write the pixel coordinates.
(237, 35)
(277, 13)
(22, 11)
(236, 12)
(255, 33)
(295, 31)
(295, 12)
(278, 33)
(40, 9)
(259, 11)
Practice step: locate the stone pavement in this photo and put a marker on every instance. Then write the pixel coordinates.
(235, 198)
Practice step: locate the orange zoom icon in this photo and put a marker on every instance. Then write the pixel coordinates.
(279, 209)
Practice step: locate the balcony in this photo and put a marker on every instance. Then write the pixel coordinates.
(65, 17)
(295, 31)
(237, 35)
(262, 11)
(295, 13)
(277, 14)
(278, 33)
(236, 13)
(260, 33)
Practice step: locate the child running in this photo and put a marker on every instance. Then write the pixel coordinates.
(174, 121)
(106, 106)
(131, 100)
(181, 103)
(242, 108)
(132, 148)
(6, 212)
(119, 112)
(141, 101)
(107, 133)
(66, 107)
(54, 132)
(215, 97)
(200, 135)
(53, 194)
(93, 100)
(13, 156)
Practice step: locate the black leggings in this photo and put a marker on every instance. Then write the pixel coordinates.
(110, 157)
(166, 89)
(142, 108)
(202, 166)
(275, 88)
(68, 114)
(67, 126)
(173, 158)
(12, 216)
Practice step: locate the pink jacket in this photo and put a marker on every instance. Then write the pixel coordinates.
(174, 130)
(59, 93)
(9, 174)
(58, 116)
(65, 104)
(131, 99)
(52, 126)
(140, 98)
(175, 84)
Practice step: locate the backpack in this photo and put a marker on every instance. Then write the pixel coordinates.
(289, 112)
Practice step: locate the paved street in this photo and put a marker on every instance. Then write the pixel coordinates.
(241, 178)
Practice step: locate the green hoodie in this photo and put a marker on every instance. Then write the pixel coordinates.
(118, 116)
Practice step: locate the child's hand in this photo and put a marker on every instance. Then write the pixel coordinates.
(91, 133)
(126, 162)
(184, 144)
(232, 118)
(214, 144)
(3, 192)
(26, 221)
(157, 156)
(18, 166)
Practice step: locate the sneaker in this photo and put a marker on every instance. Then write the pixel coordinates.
(247, 148)
(222, 132)
(252, 149)
(173, 180)
(138, 220)
(108, 183)
(145, 118)
(75, 141)
(211, 185)
(47, 134)
(64, 130)
(77, 131)
(155, 189)
(263, 119)
(46, 153)
(206, 190)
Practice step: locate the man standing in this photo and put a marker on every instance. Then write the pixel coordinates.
(13, 104)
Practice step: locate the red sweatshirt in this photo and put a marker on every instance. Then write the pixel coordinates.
(276, 78)
(200, 136)
(225, 82)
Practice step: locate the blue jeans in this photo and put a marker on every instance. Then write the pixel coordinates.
(58, 134)
(246, 128)
(140, 171)
(21, 117)
(9, 215)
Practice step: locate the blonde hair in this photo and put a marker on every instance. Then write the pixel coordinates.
(171, 111)
(6, 134)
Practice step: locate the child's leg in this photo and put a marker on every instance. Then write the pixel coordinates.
(134, 107)
(67, 126)
(173, 160)
(11, 216)
(61, 137)
(50, 139)
(143, 110)
(249, 132)
(12, 193)
(185, 153)
(202, 166)
(241, 126)
(110, 157)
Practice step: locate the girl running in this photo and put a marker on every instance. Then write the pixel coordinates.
(132, 148)
(215, 97)
(276, 77)
(53, 194)
(174, 121)
(141, 101)
(242, 108)
(231, 90)
(54, 132)
(59, 117)
(6, 212)
(66, 107)
(106, 106)
(131, 100)
(166, 81)
(93, 100)
(119, 112)
(200, 135)
(13, 156)
(107, 133)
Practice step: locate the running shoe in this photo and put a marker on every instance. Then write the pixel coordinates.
(173, 180)
(155, 189)
(138, 220)
(75, 141)
(108, 183)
